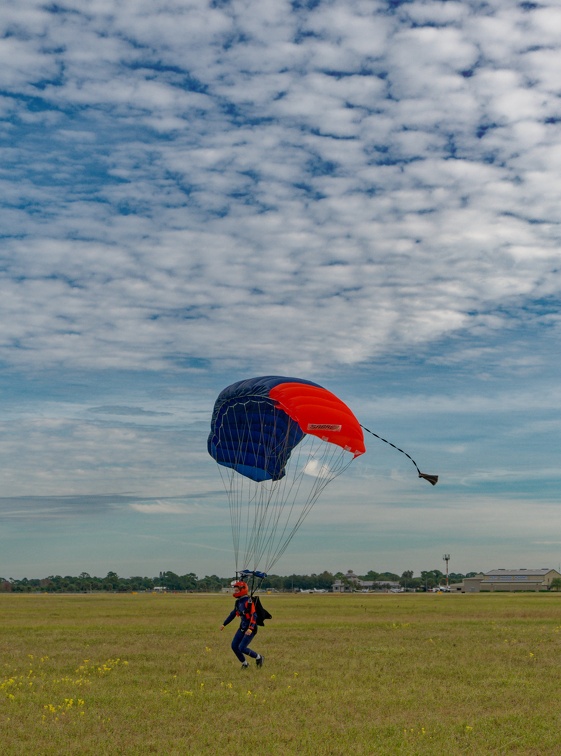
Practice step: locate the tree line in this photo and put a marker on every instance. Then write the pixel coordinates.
(170, 581)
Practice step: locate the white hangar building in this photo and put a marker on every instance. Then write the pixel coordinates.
(511, 580)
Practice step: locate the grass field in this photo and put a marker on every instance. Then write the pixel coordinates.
(356, 674)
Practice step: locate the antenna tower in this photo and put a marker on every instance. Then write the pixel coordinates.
(446, 558)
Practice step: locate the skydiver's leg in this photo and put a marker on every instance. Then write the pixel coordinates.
(244, 645)
(237, 640)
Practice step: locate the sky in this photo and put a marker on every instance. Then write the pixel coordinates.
(361, 193)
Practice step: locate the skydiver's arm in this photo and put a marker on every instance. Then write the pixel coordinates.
(229, 618)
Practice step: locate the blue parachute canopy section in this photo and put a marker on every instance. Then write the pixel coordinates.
(249, 433)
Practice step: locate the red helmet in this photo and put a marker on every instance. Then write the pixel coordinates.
(240, 589)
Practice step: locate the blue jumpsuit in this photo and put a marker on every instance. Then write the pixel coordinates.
(248, 621)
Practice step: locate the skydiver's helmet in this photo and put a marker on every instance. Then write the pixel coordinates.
(240, 588)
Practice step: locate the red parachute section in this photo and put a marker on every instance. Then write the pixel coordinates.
(320, 413)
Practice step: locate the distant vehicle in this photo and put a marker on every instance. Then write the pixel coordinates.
(441, 589)
(397, 590)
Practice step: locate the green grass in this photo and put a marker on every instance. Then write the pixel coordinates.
(358, 674)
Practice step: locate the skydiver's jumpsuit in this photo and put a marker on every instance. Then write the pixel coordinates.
(241, 641)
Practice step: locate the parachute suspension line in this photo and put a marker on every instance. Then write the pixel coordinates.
(432, 479)
(269, 513)
(275, 496)
(330, 466)
(339, 461)
(253, 505)
(235, 486)
(281, 506)
(233, 493)
(265, 515)
(267, 492)
(255, 502)
(285, 505)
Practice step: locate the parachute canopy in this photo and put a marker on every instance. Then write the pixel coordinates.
(257, 423)
(278, 442)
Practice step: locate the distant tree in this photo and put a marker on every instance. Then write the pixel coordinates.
(388, 576)
(276, 582)
(555, 584)
(324, 580)
(370, 575)
(138, 583)
(210, 583)
(298, 582)
(456, 577)
(111, 581)
(428, 579)
(190, 582)
(170, 580)
(84, 582)
(406, 580)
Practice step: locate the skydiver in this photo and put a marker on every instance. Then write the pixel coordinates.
(245, 609)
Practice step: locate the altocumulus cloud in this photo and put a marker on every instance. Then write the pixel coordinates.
(163, 507)
(194, 180)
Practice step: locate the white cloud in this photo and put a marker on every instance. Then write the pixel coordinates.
(161, 508)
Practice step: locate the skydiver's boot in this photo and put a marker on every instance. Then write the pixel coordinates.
(245, 665)
(259, 661)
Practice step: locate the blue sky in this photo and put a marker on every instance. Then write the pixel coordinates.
(365, 194)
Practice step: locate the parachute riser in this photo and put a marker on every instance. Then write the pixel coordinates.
(253, 578)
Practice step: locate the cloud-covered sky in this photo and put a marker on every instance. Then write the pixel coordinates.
(363, 193)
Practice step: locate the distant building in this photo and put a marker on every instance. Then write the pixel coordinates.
(511, 580)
